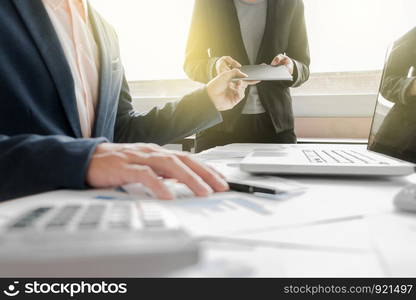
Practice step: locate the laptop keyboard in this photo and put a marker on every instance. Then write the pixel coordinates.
(340, 157)
(109, 215)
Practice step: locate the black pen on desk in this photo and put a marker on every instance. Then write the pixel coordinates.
(252, 189)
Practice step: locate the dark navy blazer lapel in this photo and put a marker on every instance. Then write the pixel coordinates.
(40, 27)
(105, 76)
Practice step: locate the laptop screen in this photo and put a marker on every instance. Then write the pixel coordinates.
(393, 131)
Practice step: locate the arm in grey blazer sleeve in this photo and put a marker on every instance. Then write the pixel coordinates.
(396, 89)
(177, 120)
(199, 66)
(396, 83)
(31, 164)
(298, 48)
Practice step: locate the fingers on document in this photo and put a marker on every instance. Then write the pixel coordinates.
(201, 179)
(214, 179)
(170, 166)
(146, 176)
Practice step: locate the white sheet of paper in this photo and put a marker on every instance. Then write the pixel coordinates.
(349, 236)
(266, 73)
(394, 237)
(234, 260)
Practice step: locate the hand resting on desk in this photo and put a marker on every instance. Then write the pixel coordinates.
(114, 165)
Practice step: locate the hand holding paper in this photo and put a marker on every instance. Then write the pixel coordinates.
(284, 60)
(226, 63)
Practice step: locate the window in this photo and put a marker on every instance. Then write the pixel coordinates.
(348, 41)
(345, 35)
(353, 35)
(152, 35)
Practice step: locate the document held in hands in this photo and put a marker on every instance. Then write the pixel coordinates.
(266, 73)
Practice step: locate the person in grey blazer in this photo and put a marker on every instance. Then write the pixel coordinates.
(227, 34)
(398, 129)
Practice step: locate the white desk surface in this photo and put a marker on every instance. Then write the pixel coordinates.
(331, 247)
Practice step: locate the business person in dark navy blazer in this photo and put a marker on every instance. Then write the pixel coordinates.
(41, 143)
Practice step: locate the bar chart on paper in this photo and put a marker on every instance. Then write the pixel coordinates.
(221, 213)
(216, 206)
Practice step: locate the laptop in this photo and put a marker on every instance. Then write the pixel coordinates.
(391, 150)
